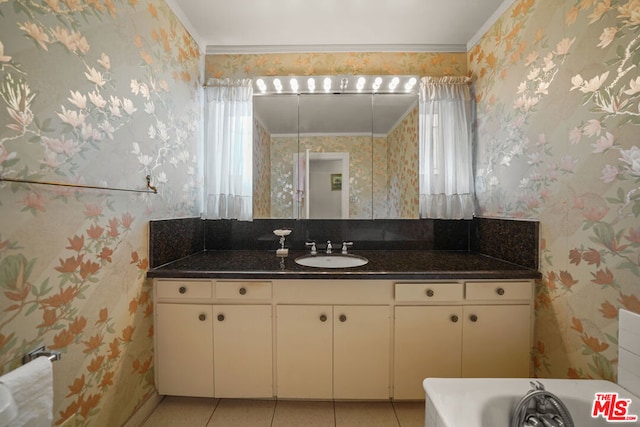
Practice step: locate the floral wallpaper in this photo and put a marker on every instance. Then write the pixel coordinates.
(308, 64)
(380, 177)
(261, 171)
(403, 170)
(557, 86)
(97, 93)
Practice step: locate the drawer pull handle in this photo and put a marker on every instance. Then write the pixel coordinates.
(430, 292)
(454, 318)
(202, 317)
(473, 318)
(243, 291)
(343, 318)
(220, 317)
(182, 289)
(323, 317)
(500, 291)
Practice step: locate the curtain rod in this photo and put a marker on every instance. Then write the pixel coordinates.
(150, 188)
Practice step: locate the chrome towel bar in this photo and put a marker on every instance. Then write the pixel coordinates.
(40, 351)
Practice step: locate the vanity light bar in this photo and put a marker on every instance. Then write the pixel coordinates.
(336, 84)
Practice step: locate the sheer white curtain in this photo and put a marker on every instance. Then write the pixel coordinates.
(446, 174)
(228, 149)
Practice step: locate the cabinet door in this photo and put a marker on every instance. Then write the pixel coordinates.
(428, 343)
(242, 351)
(184, 349)
(496, 341)
(362, 352)
(304, 350)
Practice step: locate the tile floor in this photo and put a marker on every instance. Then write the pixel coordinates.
(201, 412)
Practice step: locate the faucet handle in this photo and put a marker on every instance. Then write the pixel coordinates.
(345, 245)
(313, 247)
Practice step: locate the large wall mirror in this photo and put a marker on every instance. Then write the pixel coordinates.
(336, 147)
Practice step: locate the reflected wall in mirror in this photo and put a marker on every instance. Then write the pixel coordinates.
(377, 130)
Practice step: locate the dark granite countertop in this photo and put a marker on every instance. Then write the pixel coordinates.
(390, 265)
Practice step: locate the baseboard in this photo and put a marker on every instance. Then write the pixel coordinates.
(144, 411)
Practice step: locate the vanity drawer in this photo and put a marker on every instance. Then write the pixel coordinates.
(499, 290)
(243, 290)
(429, 291)
(184, 289)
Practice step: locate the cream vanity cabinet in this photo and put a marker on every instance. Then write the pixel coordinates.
(340, 352)
(336, 339)
(471, 329)
(213, 338)
(184, 349)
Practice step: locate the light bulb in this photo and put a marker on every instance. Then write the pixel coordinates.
(376, 83)
(327, 84)
(410, 84)
(261, 85)
(277, 84)
(394, 83)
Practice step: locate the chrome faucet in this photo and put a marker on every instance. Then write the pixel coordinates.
(344, 247)
(329, 247)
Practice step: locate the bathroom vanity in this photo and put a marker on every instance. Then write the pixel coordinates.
(248, 324)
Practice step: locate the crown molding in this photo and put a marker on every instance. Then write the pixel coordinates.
(332, 48)
(182, 17)
(506, 4)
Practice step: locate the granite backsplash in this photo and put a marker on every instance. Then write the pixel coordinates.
(513, 241)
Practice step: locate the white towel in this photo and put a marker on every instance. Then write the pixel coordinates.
(32, 389)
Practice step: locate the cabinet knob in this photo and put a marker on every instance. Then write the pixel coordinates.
(343, 318)
(220, 317)
(473, 318)
(182, 289)
(323, 317)
(202, 317)
(500, 291)
(454, 318)
(242, 291)
(430, 292)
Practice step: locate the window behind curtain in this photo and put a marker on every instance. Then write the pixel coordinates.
(446, 178)
(228, 149)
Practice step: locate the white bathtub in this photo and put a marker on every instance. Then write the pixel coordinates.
(489, 402)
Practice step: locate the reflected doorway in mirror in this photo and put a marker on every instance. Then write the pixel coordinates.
(316, 199)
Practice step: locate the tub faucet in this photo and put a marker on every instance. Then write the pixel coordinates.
(329, 247)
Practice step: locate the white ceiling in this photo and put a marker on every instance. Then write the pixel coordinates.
(260, 26)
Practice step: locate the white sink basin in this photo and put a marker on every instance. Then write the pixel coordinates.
(331, 261)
